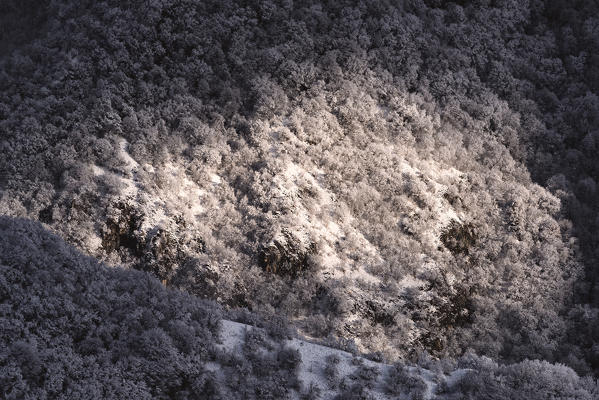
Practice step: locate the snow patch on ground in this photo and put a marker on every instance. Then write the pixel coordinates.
(232, 334)
(314, 361)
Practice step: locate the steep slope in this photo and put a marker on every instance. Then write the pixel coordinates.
(360, 169)
(72, 328)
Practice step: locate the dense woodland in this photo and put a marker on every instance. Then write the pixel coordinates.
(393, 178)
(72, 328)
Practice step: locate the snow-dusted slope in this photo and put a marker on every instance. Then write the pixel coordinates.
(395, 176)
(73, 328)
(351, 371)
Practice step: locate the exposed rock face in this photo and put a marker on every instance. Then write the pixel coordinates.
(122, 229)
(514, 218)
(160, 250)
(287, 254)
(459, 238)
(375, 312)
(458, 310)
(201, 278)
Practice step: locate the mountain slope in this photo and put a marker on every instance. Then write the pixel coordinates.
(74, 328)
(377, 174)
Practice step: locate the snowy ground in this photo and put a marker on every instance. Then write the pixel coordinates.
(314, 361)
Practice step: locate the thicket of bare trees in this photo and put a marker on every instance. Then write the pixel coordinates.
(396, 176)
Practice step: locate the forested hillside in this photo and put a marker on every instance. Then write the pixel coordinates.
(394, 178)
(72, 328)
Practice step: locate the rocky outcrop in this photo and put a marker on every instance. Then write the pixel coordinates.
(287, 254)
(459, 238)
(160, 250)
(122, 229)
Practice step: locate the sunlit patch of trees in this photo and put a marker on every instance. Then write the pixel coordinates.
(361, 129)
